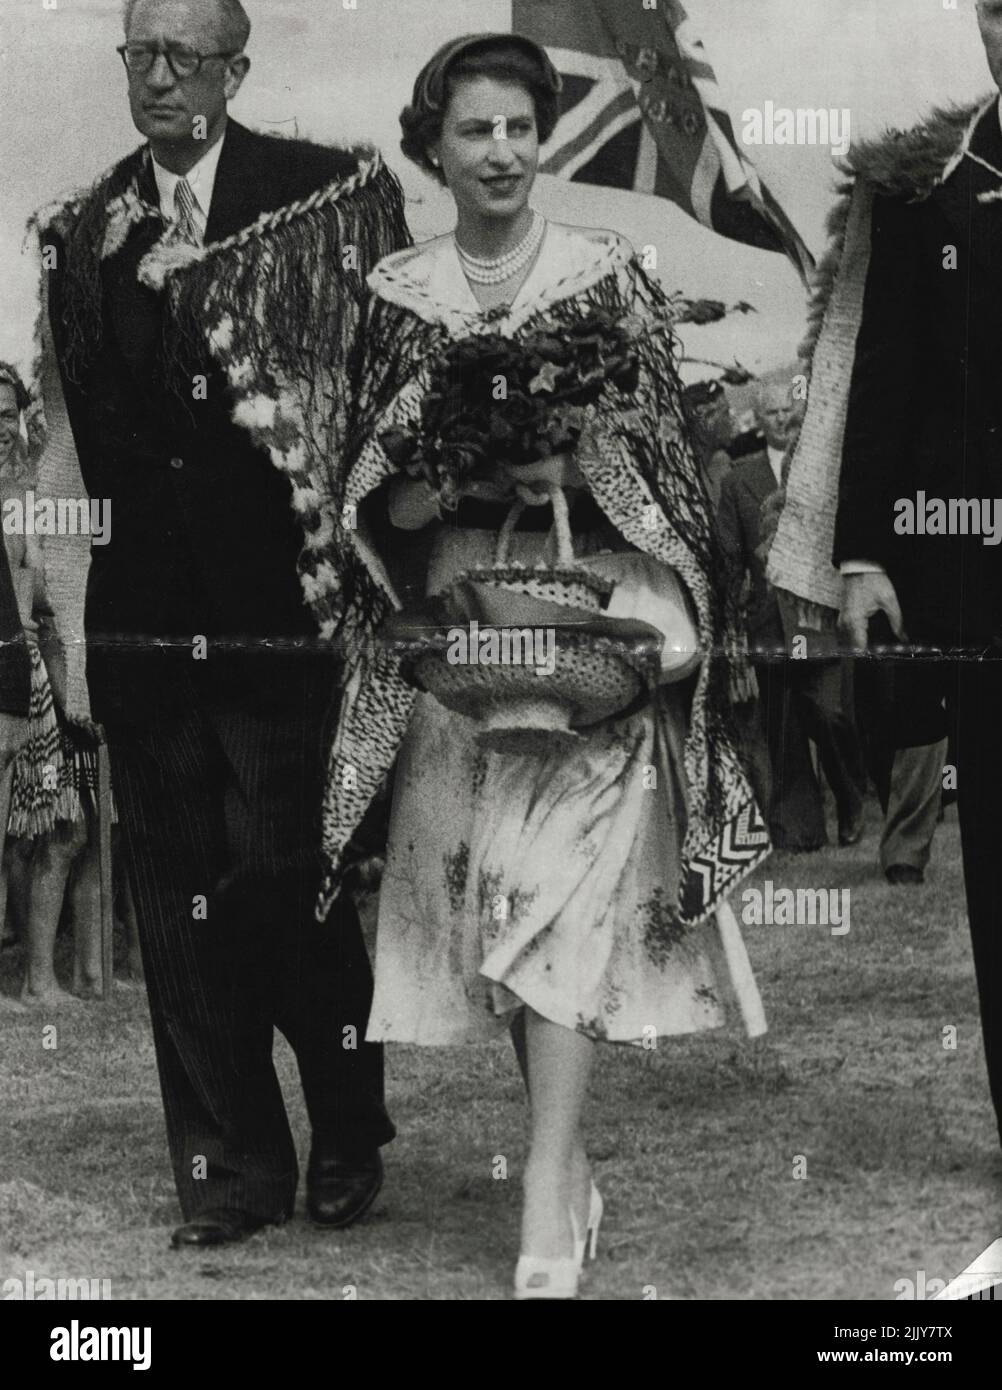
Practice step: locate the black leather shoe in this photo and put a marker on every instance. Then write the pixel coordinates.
(900, 874)
(220, 1226)
(340, 1189)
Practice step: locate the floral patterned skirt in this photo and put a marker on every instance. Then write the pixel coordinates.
(541, 879)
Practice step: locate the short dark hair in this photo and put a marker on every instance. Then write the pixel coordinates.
(234, 22)
(504, 57)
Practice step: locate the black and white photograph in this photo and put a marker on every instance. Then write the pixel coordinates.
(501, 664)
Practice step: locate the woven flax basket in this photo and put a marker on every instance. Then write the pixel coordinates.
(601, 665)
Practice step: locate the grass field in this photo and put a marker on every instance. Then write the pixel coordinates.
(696, 1144)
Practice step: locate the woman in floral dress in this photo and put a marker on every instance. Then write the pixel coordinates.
(564, 894)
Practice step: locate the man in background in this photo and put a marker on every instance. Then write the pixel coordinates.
(800, 700)
(906, 753)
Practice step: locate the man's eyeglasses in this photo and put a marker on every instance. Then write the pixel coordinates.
(182, 61)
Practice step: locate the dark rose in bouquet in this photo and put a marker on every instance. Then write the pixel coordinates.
(494, 400)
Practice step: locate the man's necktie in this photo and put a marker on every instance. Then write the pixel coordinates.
(184, 213)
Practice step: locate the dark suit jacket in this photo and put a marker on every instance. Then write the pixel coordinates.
(739, 523)
(203, 538)
(925, 405)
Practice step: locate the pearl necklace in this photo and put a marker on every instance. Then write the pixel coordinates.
(506, 267)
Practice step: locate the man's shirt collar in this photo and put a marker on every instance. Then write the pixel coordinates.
(201, 179)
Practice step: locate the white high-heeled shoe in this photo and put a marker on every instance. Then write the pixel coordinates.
(588, 1242)
(538, 1277)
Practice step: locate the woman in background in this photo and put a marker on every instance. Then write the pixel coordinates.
(47, 831)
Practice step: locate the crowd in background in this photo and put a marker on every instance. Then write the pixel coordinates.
(814, 714)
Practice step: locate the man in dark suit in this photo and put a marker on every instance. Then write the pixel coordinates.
(218, 761)
(799, 699)
(925, 416)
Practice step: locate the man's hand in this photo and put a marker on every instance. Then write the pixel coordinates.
(864, 595)
(13, 736)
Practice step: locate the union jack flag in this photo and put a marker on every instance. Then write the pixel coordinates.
(642, 111)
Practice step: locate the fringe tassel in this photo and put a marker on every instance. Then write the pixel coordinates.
(31, 822)
(289, 289)
(46, 777)
(284, 302)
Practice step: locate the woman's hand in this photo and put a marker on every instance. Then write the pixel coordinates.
(412, 504)
(533, 481)
(487, 489)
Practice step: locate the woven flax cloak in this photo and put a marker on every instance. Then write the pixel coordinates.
(638, 464)
(278, 304)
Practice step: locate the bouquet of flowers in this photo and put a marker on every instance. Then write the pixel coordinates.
(493, 399)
